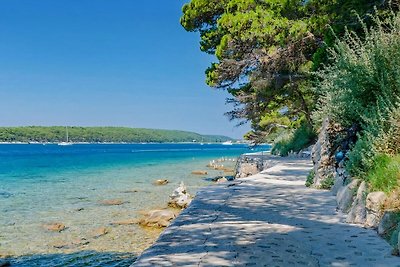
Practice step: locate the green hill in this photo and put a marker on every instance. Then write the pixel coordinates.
(101, 134)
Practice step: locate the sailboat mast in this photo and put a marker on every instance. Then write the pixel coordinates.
(66, 129)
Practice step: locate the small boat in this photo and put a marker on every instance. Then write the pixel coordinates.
(227, 143)
(67, 143)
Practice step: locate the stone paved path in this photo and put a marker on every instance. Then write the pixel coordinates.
(269, 219)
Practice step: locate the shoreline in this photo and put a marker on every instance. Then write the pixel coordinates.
(267, 219)
(74, 216)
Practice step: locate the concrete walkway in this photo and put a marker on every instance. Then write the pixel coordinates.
(269, 219)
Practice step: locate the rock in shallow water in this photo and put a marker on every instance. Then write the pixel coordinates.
(99, 232)
(112, 202)
(180, 198)
(199, 172)
(161, 182)
(157, 218)
(125, 222)
(55, 227)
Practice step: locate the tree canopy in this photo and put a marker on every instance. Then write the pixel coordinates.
(265, 50)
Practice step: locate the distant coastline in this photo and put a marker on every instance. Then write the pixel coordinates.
(102, 135)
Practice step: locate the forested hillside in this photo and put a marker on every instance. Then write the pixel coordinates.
(101, 134)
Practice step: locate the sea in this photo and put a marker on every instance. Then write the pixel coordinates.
(42, 184)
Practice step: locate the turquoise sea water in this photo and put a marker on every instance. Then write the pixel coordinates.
(42, 184)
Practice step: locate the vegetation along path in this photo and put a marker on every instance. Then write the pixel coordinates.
(269, 219)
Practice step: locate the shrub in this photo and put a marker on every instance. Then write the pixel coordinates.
(301, 138)
(385, 174)
(362, 87)
(328, 182)
(310, 178)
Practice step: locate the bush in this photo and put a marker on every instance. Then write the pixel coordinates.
(301, 138)
(328, 182)
(362, 87)
(385, 174)
(310, 178)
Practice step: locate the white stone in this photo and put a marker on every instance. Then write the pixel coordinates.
(345, 195)
(358, 212)
(180, 198)
(374, 204)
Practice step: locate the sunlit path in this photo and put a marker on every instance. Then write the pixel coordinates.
(269, 219)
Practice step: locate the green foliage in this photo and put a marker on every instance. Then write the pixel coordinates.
(310, 178)
(266, 49)
(327, 183)
(101, 134)
(362, 87)
(301, 138)
(385, 173)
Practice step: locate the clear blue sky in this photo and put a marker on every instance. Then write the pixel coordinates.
(105, 63)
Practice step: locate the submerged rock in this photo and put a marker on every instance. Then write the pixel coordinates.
(161, 182)
(99, 232)
(54, 227)
(112, 202)
(374, 203)
(199, 172)
(180, 198)
(125, 222)
(157, 218)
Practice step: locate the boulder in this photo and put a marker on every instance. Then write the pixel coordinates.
(358, 212)
(161, 182)
(338, 184)
(222, 180)
(199, 172)
(180, 198)
(247, 169)
(345, 195)
(374, 203)
(112, 202)
(388, 222)
(321, 154)
(157, 218)
(54, 227)
(99, 232)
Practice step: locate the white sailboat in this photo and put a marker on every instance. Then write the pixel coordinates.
(67, 143)
(227, 143)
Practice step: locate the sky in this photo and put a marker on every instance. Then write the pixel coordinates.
(105, 63)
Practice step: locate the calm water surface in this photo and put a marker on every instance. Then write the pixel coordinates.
(42, 184)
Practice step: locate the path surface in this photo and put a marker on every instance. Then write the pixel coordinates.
(269, 219)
